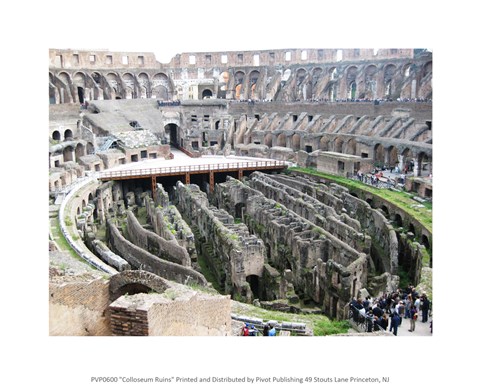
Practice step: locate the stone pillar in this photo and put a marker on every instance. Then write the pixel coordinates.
(416, 169)
(400, 163)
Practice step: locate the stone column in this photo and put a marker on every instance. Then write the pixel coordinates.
(400, 163)
(416, 169)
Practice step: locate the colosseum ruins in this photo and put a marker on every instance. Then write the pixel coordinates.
(261, 177)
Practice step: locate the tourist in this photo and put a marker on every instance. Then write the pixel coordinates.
(245, 331)
(265, 330)
(272, 331)
(395, 321)
(408, 306)
(400, 309)
(425, 305)
(413, 318)
(384, 321)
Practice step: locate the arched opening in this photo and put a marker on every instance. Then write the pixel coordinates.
(425, 242)
(81, 95)
(324, 143)
(268, 140)
(385, 211)
(282, 140)
(370, 202)
(68, 134)
(296, 142)
(388, 76)
(408, 161)
(352, 90)
(171, 134)
(370, 83)
(253, 281)
(131, 289)
(90, 149)
(56, 136)
(411, 228)
(68, 154)
(79, 151)
(379, 155)
(339, 145)
(207, 94)
(351, 147)
(239, 208)
(398, 221)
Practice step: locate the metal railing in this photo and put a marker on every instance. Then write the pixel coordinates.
(191, 169)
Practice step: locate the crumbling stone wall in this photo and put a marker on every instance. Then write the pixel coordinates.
(141, 259)
(304, 254)
(168, 223)
(155, 244)
(235, 254)
(77, 307)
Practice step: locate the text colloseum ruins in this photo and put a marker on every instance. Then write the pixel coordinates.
(224, 192)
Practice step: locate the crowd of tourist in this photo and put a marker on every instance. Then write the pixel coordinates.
(389, 311)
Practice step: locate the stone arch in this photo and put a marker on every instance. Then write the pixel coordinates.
(324, 143)
(160, 92)
(300, 75)
(351, 147)
(56, 135)
(68, 154)
(352, 90)
(425, 242)
(144, 83)
(398, 220)
(391, 158)
(296, 139)
(378, 155)
(90, 148)
(129, 82)
(385, 211)
(254, 283)
(388, 83)
(268, 140)
(112, 80)
(370, 91)
(427, 69)
(338, 145)
(408, 159)
(136, 281)
(238, 84)
(97, 78)
(79, 150)
(316, 75)
(424, 163)
(207, 93)
(253, 79)
(79, 84)
(351, 79)
(281, 140)
(68, 134)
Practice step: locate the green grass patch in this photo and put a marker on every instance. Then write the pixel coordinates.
(320, 324)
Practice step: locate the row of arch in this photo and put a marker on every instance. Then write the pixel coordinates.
(352, 81)
(415, 159)
(82, 86)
